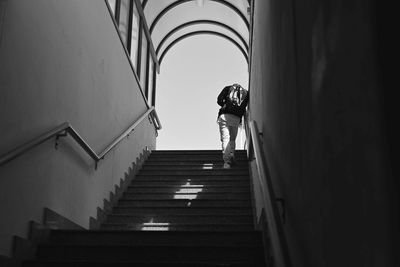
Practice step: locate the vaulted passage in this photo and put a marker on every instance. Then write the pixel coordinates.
(83, 181)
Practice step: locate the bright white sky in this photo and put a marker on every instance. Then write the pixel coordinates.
(192, 75)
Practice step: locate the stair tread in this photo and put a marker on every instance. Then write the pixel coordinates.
(177, 184)
(180, 191)
(148, 252)
(189, 167)
(196, 175)
(165, 235)
(193, 178)
(205, 196)
(247, 206)
(180, 209)
(159, 203)
(189, 224)
(193, 263)
(176, 195)
(124, 201)
(205, 246)
(139, 263)
(179, 215)
(241, 162)
(217, 227)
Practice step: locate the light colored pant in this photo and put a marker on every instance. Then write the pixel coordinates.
(228, 135)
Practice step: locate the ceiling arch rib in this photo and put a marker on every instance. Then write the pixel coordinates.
(196, 22)
(200, 33)
(190, 12)
(144, 3)
(179, 2)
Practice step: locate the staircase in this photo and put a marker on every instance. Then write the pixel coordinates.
(182, 209)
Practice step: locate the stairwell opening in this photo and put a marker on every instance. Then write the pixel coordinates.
(191, 76)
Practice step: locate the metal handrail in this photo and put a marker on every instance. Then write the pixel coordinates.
(66, 128)
(279, 248)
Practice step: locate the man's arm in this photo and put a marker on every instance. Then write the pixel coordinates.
(222, 96)
(245, 100)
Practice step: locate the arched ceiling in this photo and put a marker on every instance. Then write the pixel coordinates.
(171, 21)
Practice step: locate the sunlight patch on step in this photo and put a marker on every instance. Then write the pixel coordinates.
(153, 226)
(208, 166)
(189, 191)
(186, 196)
(185, 192)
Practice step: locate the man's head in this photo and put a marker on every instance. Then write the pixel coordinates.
(236, 85)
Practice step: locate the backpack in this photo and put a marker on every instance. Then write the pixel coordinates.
(234, 99)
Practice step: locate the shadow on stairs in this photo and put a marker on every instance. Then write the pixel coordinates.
(182, 209)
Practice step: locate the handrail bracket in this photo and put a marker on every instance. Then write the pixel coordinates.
(64, 134)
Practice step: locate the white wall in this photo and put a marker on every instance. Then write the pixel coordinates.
(63, 61)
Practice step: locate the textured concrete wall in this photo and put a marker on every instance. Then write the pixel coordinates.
(63, 61)
(316, 95)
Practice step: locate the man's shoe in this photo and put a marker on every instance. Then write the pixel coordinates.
(227, 165)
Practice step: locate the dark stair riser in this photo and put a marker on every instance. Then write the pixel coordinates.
(217, 163)
(149, 253)
(208, 196)
(239, 152)
(155, 238)
(139, 264)
(242, 153)
(176, 183)
(217, 153)
(153, 220)
(221, 227)
(192, 178)
(186, 190)
(246, 203)
(188, 173)
(189, 210)
(191, 163)
(192, 167)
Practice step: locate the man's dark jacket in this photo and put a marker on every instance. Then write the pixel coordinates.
(225, 109)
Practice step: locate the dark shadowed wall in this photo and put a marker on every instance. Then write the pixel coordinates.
(317, 96)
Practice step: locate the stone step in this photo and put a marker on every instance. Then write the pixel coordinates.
(194, 178)
(161, 167)
(188, 152)
(193, 159)
(194, 154)
(185, 203)
(206, 195)
(202, 163)
(189, 210)
(217, 161)
(164, 220)
(215, 174)
(198, 182)
(194, 173)
(139, 264)
(154, 237)
(187, 189)
(199, 227)
(123, 253)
